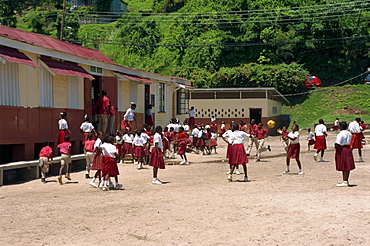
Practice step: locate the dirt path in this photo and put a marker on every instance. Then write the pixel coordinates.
(197, 205)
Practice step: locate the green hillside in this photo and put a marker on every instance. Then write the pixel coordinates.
(324, 102)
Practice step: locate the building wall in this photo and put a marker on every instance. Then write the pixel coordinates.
(60, 91)
(29, 86)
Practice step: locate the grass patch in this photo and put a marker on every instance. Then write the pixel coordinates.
(323, 102)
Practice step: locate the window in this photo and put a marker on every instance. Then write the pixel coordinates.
(46, 88)
(161, 97)
(96, 69)
(152, 99)
(182, 101)
(9, 84)
(274, 110)
(73, 100)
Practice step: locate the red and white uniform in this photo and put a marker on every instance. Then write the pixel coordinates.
(355, 129)
(156, 157)
(294, 146)
(109, 159)
(320, 134)
(343, 153)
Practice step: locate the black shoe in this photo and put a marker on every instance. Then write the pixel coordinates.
(87, 176)
(268, 147)
(247, 154)
(43, 180)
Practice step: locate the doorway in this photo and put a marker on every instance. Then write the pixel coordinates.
(256, 114)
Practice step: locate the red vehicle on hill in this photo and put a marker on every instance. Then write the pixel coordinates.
(312, 81)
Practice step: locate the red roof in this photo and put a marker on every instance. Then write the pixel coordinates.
(53, 43)
(13, 55)
(65, 68)
(135, 78)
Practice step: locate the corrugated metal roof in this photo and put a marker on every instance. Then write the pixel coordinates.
(13, 55)
(134, 78)
(67, 69)
(53, 43)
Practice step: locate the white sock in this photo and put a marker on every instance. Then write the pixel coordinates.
(315, 154)
(300, 170)
(93, 180)
(287, 168)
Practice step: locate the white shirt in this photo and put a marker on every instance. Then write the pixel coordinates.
(238, 137)
(128, 138)
(145, 136)
(294, 135)
(320, 130)
(158, 139)
(129, 114)
(336, 123)
(354, 127)
(195, 132)
(227, 135)
(109, 149)
(213, 119)
(213, 135)
(139, 141)
(200, 133)
(186, 127)
(343, 138)
(223, 126)
(119, 140)
(98, 143)
(192, 113)
(62, 124)
(86, 127)
(309, 136)
(176, 127)
(148, 111)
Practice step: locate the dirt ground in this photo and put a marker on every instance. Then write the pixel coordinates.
(197, 205)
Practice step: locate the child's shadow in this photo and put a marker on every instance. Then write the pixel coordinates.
(71, 182)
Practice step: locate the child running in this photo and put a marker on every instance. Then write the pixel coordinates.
(294, 148)
(86, 127)
(45, 159)
(110, 168)
(97, 161)
(156, 158)
(65, 150)
(185, 142)
(89, 150)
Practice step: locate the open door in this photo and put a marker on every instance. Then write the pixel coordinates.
(255, 113)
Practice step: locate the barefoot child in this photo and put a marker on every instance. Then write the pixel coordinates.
(156, 158)
(110, 168)
(45, 159)
(89, 150)
(294, 148)
(65, 150)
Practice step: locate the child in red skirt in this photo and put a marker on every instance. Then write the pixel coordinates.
(182, 151)
(128, 138)
(227, 137)
(139, 143)
(213, 142)
(320, 140)
(119, 144)
(86, 127)
(343, 154)
(97, 161)
(310, 140)
(156, 158)
(294, 148)
(356, 142)
(110, 168)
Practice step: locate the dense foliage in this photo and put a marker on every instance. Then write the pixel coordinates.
(224, 43)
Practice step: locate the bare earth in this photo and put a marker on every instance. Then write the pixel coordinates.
(197, 205)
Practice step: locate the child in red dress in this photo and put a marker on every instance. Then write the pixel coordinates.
(294, 148)
(156, 158)
(182, 150)
(139, 143)
(110, 168)
(98, 160)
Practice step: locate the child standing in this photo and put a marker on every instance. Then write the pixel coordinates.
(227, 137)
(86, 127)
(283, 133)
(63, 127)
(65, 150)
(110, 168)
(294, 148)
(89, 150)
(119, 144)
(213, 142)
(156, 158)
(128, 138)
(98, 160)
(310, 140)
(139, 153)
(45, 159)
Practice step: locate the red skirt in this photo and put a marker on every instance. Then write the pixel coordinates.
(62, 134)
(97, 162)
(293, 151)
(213, 142)
(344, 158)
(126, 124)
(356, 141)
(311, 142)
(320, 143)
(237, 154)
(157, 160)
(176, 139)
(182, 148)
(200, 143)
(146, 151)
(128, 148)
(191, 121)
(120, 148)
(195, 141)
(139, 151)
(165, 144)
(149, 120)
(228, 151)
(109, 166)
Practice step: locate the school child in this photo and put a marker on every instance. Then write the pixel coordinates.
(344, 161)
(63, 127)
(208, 141)
(213, 142)
(110, 168)
(283, 133)
(310, 140)
(222, 129)
(294, 148)
(166, 144)
(192, 113)
(97, 161)
(45, 159)
(253, 128)
(182, 150)
(86, 127)
(363, 126)
(237, 154)
(65, 150)
(201, 144)
(186, 127)
(356, 142)
(89, 150)
(138, 143)
(227, 137)
(119, 145)
(156, 158)
(145, 134)
(320, 140)
(262, 134)
(128, 138)
(171, 138)
(195, 133)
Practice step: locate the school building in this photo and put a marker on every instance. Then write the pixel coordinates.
(234, 104)
(41, 76)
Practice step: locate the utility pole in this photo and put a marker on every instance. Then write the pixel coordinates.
(62, 25)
